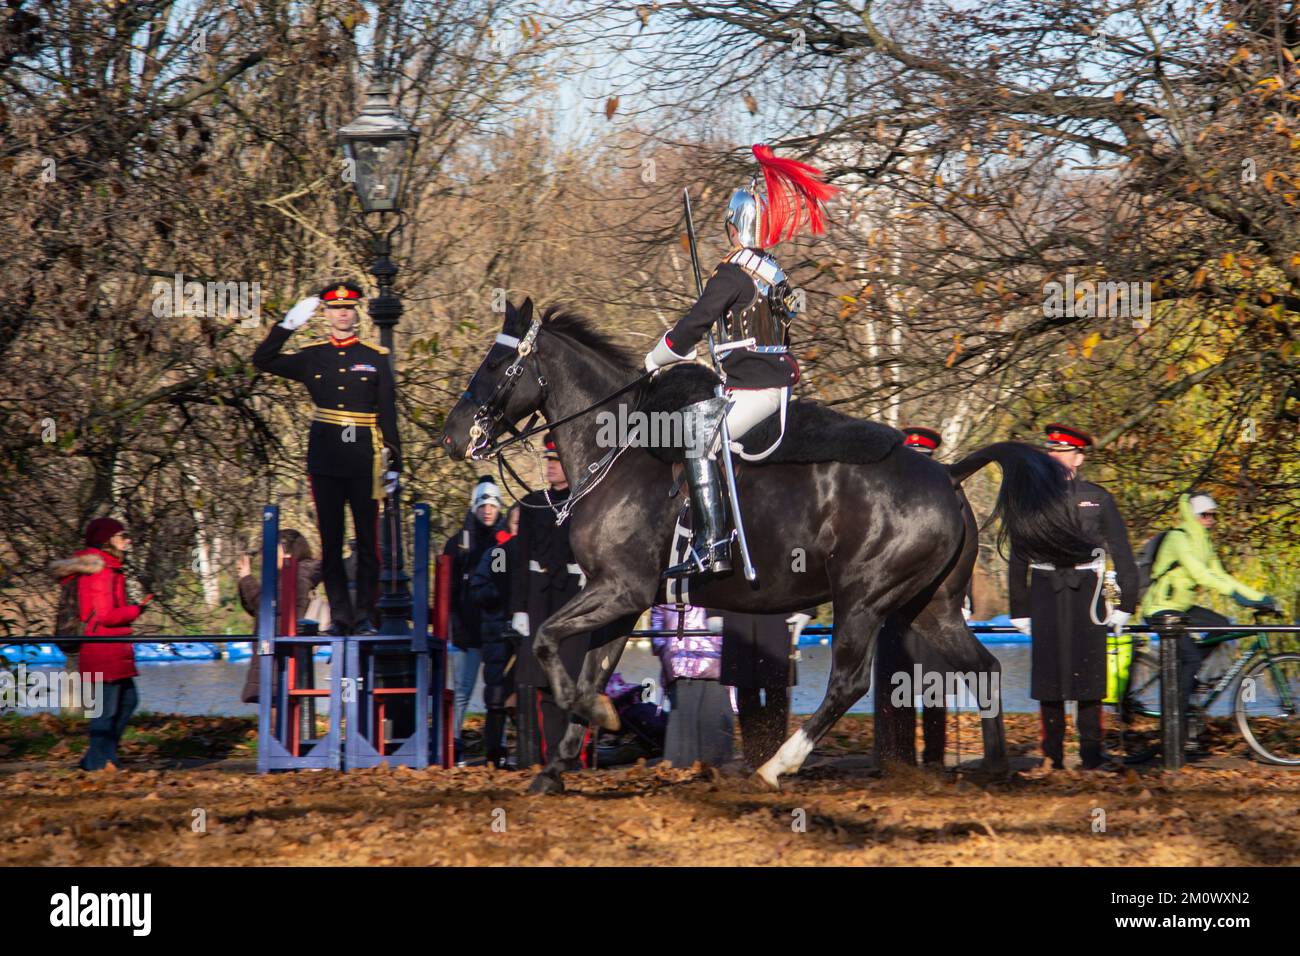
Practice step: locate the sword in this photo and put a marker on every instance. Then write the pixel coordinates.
(728, 469)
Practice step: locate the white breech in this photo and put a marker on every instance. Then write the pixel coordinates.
(750, 406)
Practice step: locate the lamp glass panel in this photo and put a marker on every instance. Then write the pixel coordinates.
(380, 163)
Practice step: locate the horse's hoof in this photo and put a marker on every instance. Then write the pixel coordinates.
(546, 783)
(604, 714)
(768, 780)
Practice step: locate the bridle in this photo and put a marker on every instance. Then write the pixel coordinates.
(491, 411)
(488, 416)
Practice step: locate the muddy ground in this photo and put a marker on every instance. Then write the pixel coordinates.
(1226, 810)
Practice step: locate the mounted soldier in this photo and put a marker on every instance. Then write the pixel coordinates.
(748, 298)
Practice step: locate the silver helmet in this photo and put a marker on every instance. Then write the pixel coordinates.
(745, 212)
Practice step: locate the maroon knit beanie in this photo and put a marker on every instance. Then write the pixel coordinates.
(101, 529)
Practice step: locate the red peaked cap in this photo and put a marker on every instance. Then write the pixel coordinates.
(795, 194)
(921, 437)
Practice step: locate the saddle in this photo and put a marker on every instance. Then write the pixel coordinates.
(813, 434)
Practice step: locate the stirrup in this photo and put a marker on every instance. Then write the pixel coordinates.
(716, 559)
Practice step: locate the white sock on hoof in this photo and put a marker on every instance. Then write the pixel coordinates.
(788, 759)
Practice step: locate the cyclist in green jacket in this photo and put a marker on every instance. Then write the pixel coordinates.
(1185, 563)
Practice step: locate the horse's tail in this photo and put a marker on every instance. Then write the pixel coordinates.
(1033, 502)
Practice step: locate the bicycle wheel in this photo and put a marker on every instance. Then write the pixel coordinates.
(1267, 705)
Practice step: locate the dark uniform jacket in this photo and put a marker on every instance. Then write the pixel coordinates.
(728, 291)
(756, 651)
(355, 377)
(1069, 649)
(543, 577)
(465, 549)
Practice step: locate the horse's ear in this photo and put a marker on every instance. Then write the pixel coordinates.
(518, 319)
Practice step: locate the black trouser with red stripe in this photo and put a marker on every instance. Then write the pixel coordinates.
(331, 495)
(542, 725)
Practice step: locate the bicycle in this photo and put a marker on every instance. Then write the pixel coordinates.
(1265, 695)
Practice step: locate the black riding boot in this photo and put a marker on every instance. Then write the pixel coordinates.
(710, 550)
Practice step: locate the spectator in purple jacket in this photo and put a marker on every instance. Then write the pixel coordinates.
(700, 724)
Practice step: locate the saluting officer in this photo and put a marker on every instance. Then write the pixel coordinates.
(353, 429)
(895, 727)
(543, 576)
(1063, 611)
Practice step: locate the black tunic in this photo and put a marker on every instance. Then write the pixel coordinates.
(1069, 650)
(729, 290)
(543, 577)
(356, 377)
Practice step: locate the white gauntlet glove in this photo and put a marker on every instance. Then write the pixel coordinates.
(300, 314)
(797, 623)
(520, 623)
(662, 355)
(1021, 624)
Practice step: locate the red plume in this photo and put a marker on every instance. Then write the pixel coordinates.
(795, 194)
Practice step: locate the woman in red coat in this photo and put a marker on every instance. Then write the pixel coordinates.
(101, 589)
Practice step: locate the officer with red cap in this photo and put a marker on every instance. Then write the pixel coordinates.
(353, 428)
(1062, 609)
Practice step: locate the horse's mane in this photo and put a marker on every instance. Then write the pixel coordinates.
(572, 325)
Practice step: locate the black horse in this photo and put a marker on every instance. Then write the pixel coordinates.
(890, 540)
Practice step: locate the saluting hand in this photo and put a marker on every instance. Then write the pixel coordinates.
(300, 314)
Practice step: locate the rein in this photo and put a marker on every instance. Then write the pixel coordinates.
(546, 426)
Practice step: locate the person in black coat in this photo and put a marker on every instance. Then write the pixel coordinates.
(466, 548)
(1062, 609)
(543, 576)
(489, 588)
(758, 660)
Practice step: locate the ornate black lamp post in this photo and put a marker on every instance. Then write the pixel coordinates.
(377, 143)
